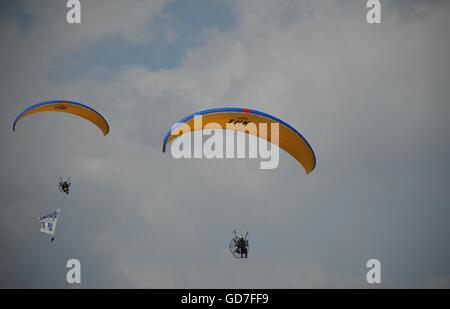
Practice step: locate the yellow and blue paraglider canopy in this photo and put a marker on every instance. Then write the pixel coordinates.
(289, 139)
(70, 107)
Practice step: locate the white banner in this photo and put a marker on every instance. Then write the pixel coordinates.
(48, 222)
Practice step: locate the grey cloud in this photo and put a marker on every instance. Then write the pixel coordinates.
(371, 99)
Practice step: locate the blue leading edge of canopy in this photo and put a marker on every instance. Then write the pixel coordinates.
(238, 109)
(56, 102)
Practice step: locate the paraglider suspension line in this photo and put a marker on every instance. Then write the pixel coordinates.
(60, 207)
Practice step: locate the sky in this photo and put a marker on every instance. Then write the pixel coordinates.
(371, 99)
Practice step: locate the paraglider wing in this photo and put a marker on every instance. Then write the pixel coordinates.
(70, 107)
(290, 140)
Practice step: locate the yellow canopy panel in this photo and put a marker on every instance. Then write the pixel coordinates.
(70, 107)
(290, 140)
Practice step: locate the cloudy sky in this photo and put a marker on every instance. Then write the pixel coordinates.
(372, 100)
